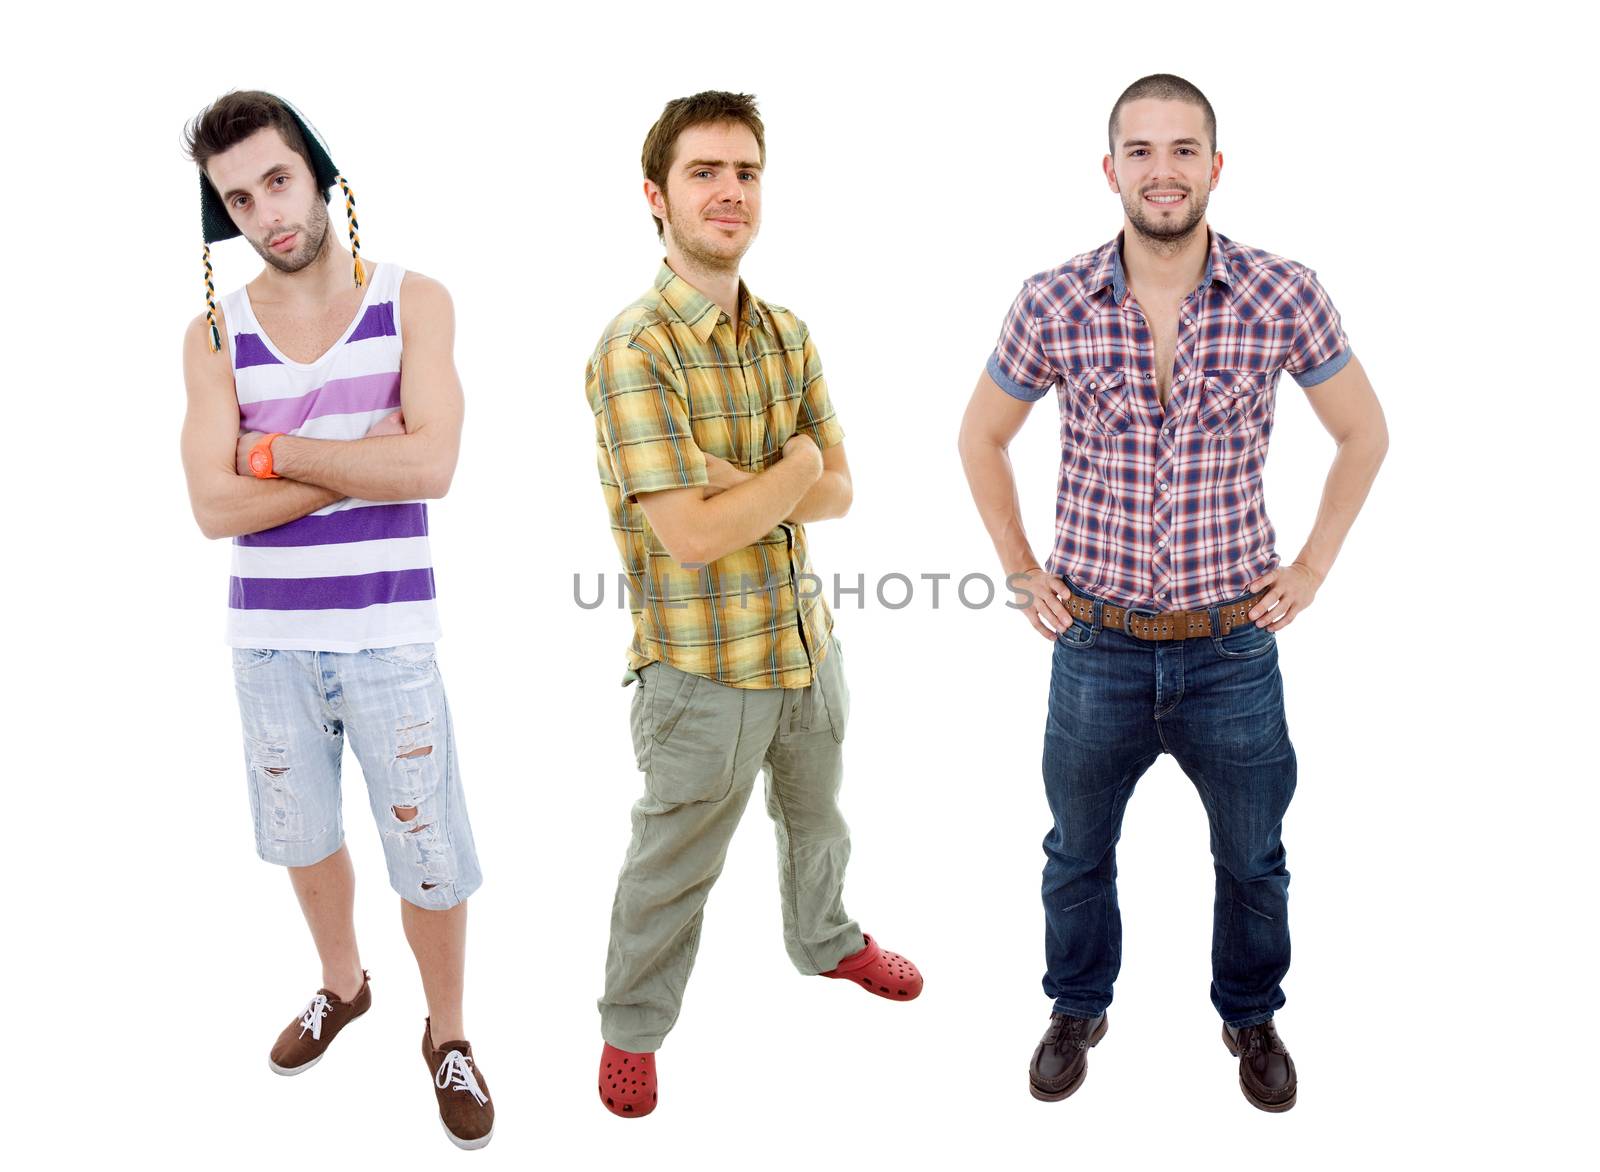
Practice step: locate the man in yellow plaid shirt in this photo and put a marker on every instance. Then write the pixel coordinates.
(716, 442)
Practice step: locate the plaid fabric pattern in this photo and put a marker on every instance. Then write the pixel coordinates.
(1162, 508)
(672, 379)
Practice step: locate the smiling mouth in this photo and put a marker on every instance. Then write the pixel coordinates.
(1166, 198)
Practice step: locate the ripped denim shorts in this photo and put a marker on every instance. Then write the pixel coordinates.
(297, 707)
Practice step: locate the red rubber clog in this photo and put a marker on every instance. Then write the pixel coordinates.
(887, 974)
(627, 1082)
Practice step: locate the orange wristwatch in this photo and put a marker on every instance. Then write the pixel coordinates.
(261, 458)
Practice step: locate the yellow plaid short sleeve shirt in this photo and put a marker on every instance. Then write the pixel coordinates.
(672, 379)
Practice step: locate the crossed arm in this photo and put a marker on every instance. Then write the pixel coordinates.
(403, 457)
(735, 508)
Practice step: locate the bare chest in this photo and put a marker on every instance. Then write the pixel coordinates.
(303, 336)
(1162, 318)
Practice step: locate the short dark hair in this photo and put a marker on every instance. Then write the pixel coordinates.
(681, 114)
(1167, 87)
(234, 117)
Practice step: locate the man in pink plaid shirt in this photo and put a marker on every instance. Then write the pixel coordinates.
(1164, 591)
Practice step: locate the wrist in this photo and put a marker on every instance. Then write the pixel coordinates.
(283, 453)
(1317, 576)
(262, 459)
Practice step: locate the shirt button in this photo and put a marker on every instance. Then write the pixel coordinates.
(1163, 486)
(1163, 541)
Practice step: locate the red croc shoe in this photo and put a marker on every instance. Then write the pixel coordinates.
(888, 974)
(627, 1082)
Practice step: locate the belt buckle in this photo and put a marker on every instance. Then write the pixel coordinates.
(1127, 619)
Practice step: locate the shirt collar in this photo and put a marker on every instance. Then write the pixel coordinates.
(1108, 269)
(695, 309)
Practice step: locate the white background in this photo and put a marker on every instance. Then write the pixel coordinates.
(1434, 167)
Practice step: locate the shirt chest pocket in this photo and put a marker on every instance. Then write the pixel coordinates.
(1234, 401)
(1102, 398)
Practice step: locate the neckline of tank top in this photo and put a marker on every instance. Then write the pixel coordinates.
(360, 314)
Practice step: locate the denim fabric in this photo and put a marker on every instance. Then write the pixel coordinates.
(297, 707)
(1215, 704)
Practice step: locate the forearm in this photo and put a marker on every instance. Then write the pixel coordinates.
(829, 497)
(1355, 467)
(243, 504)
(994, 491)
(747, 512)
(377, 468)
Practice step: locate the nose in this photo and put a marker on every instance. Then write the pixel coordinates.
(1166, 167)
(268, 215)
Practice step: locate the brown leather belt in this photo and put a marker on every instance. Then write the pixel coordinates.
(1163, 625)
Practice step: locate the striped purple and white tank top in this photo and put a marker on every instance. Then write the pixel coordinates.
(355, 574)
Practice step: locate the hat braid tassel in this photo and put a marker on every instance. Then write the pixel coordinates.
(211, 303)
(355, 229)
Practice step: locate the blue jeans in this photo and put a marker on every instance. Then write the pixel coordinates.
(298, 706)
(1216, 704)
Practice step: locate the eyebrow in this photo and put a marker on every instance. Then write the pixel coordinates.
(1144, 142)
(265, 175)
(692, 164)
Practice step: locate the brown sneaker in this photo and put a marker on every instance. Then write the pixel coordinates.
(458, 1084)
(305, 1039)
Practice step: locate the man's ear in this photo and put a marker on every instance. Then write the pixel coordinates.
(657, 199)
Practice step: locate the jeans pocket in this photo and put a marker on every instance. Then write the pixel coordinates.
(1245, 642)
(416, 656)
(1079, 634)
(247, 658)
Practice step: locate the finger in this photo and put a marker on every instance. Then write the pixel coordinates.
(1262, 582)
(1053, 610)
(1058, 611)
(1053, 596)
(1263, 609)
(1048, 618)
(1038, 626)
(1285, 619)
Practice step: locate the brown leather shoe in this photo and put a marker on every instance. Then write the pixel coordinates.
(1062, 1059)
(305, 1039)
(458, 1084)
(1266, 1072)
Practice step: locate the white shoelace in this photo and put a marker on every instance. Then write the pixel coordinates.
(312, 1020)
(455, 1073)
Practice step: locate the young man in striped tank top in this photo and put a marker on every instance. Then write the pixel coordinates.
(306, 444)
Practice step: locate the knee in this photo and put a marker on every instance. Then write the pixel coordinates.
(1267, 866)
(421, 860)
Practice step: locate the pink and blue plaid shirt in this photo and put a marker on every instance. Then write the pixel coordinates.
(1161, 508)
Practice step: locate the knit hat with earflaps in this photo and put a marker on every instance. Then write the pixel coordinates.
(216, 224)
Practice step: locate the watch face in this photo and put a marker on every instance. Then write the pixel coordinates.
(259, 462)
